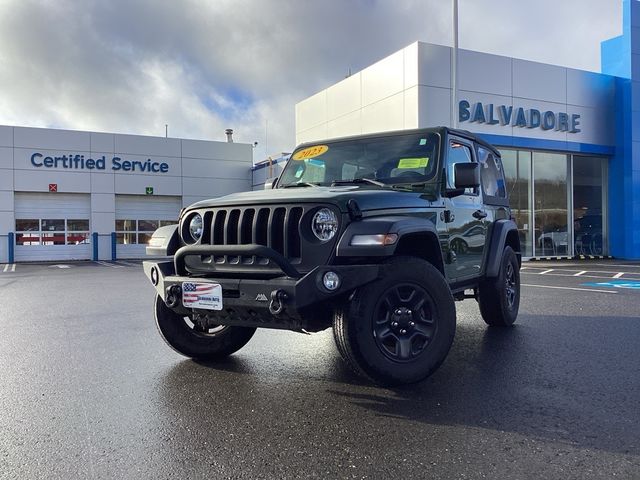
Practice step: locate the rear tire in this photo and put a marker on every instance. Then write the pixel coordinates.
(400, 328)
(499, 297)
(181, 335)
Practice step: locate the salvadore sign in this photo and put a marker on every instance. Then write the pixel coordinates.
(508, 115)
(79, 162)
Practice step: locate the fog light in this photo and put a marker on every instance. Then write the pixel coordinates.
(154, 276)
(331, 281)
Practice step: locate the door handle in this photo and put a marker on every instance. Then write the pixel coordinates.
(479, 214)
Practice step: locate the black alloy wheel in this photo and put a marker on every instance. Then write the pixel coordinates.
(399, 328)
(404, 322)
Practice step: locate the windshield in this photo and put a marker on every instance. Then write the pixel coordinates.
(376, 162)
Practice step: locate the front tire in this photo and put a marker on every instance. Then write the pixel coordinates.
(499, 297)
(400, 328)
(186, 339)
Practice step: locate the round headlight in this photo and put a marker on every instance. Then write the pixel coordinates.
(195, 227)
(324, 224)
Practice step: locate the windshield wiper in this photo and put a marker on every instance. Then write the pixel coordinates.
(358, 180)
(299, 184)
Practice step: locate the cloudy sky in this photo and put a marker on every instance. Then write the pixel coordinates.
(132, 66)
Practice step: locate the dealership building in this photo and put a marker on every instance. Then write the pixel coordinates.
(570, 139)
(84, 195)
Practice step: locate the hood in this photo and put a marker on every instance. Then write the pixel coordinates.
(367, 198)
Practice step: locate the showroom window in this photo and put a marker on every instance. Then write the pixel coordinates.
(52, 231)
(558, 201)
(131, 232)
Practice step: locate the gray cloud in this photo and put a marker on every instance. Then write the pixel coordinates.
(203, 66)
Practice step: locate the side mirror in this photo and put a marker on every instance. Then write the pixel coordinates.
(270, 183)
(467, 175)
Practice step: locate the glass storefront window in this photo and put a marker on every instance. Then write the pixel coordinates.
(78, 225)
(147, 225)
(126, 238)
(77, 238)
(29, 225)
(144, 238)
(517, 169)
(570, 203)
(28, 238)
(57, 238)
(49, 225)
(50, 232)
(551, 209)
(588, 197)
(129, 232)
(125, 225)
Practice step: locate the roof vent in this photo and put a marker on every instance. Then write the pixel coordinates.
(229, 133)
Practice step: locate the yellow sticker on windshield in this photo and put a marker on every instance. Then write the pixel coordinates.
(413, 162)
(310, 152)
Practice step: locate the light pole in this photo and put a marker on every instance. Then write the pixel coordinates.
(454, 67)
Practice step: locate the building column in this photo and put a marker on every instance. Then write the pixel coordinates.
(621, 58)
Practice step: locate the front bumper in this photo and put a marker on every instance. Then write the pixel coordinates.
(255, 302)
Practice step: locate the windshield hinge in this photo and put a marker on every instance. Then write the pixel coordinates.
(354, 210)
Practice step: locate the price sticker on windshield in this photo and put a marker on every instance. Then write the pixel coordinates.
(310, 152)
(413, 162)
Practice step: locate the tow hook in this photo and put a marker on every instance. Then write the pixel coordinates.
(174, 294)
(276, 305)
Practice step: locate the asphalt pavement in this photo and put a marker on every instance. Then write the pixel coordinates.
(90, 390)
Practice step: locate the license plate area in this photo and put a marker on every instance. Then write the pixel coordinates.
(207, 296)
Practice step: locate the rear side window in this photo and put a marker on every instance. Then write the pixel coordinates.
(491, 175)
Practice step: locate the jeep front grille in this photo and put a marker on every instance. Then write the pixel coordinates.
(277, 227)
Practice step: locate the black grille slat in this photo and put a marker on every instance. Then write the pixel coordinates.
(245, 226)
(292, 232)
(218, 227)
(231, 227)
(276, 227)
(262, 227)
(207, 228)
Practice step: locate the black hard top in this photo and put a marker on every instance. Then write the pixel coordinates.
(442, 131)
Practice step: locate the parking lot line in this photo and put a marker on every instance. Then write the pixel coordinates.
(128, 264)
(569, 288)
(579, 273)
(107, 264)
(618, 275)
(546, 271)
(9, 267)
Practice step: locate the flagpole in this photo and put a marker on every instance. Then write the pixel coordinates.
(454, 67)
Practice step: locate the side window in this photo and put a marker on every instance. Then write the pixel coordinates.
(458, 153)
(491, 174)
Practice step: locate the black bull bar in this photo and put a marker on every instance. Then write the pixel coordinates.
(287, 296)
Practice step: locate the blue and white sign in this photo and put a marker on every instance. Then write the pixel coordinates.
(630, 284)
(508, 115)
(79, 162)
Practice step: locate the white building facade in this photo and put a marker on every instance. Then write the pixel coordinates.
(569, 138)
(84, 195)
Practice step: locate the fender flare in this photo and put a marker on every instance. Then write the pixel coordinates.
(400, 225)
(499, 233)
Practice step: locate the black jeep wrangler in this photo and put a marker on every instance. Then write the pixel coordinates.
(373, 235)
